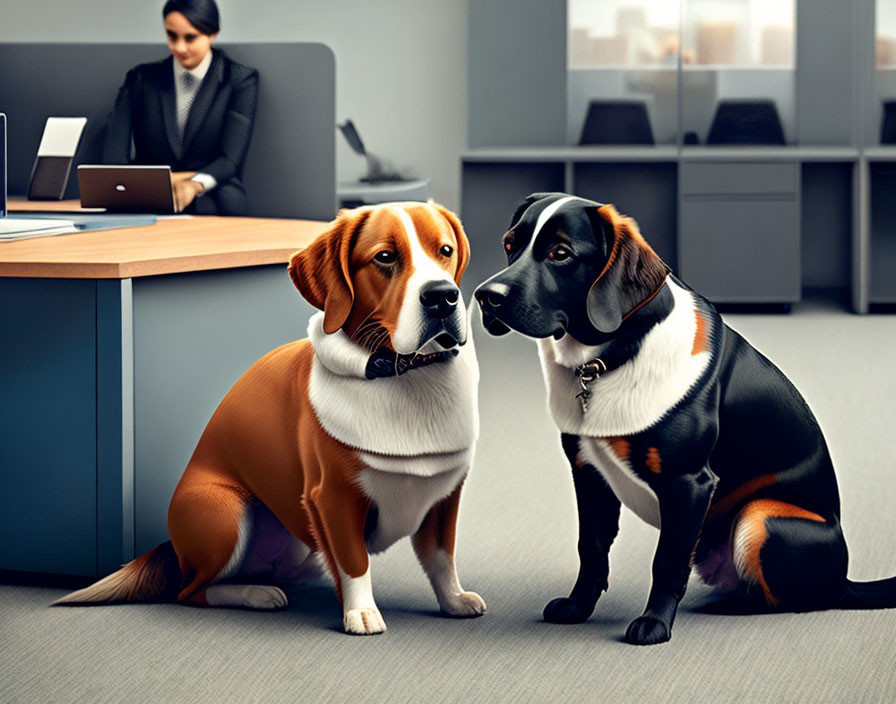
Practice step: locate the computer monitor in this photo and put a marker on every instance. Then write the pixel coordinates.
(888, 124)
(2, 165)
(746, 122)
(616, 122)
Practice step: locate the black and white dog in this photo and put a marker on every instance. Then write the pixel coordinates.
(664, 408)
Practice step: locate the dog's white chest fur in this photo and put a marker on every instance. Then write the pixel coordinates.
(432, 410)
(639, 393)
(629, 488)
(402, 501)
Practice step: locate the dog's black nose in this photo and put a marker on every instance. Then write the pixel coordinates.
(439, 298)
(491, 296)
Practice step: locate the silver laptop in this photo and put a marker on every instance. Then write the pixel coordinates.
(20, 227)
(142, 189)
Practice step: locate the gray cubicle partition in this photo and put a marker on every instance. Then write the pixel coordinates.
(291, 167)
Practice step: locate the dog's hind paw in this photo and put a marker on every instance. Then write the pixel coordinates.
(567, 610)
(363, 622)
(647, 630)
(464, 605)
(246, 596)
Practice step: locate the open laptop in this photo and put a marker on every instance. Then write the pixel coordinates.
(141, 189)
(19, 227)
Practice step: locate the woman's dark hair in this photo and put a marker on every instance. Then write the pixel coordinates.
(202, 14)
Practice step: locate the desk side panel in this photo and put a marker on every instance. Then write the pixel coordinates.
(48, 425)
(194, 336)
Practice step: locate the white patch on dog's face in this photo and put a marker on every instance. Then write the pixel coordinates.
(546, 215)
(411, 320)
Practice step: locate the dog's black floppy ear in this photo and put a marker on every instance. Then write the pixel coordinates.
(633, 274)
(525, 203)
(321, 270)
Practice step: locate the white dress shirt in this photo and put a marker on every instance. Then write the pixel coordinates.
(183, 94)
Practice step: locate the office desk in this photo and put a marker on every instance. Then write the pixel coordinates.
(116, 348)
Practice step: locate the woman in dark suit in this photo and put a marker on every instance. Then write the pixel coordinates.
(193, 111)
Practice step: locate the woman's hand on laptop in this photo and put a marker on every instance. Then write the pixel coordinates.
(185, 189)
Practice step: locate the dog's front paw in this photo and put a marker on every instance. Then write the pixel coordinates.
(464, 605)
(567, 610)
(647, 630)
(363, 622)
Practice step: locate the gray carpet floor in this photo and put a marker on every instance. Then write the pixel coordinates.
(516, 547)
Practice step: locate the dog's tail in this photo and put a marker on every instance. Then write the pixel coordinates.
(154, 576)
(880, 594)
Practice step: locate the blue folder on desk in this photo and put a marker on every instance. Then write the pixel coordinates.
(73, 225)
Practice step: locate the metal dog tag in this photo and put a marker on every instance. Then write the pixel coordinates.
(588, 373)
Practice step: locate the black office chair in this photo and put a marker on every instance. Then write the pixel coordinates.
(616, 122)
(746, 122)
(888, 125)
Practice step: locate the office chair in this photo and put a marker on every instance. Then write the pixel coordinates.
(888, 124)
(616, 122)
(746, 122)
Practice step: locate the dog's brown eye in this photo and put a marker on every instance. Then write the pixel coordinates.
(559, 254)
(508, 242)
(385, 257)
(446, 250)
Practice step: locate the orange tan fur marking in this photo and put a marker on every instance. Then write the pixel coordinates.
(621, 447)
(728, 502)
(653, 460)
(751, 523)
(701, 336)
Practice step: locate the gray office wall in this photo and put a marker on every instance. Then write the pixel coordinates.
(517, 73)
(826, 53)
(400, 66)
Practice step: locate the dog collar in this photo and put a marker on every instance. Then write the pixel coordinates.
(385, 363)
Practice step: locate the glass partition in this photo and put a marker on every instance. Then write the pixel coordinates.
(882, 129)
(732, 61)
(738, 82)
(623, 72)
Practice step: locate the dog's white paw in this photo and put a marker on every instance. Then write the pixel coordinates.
(363, 622)
(249, 596)
(464, 605)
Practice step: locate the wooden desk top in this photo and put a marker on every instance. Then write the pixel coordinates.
(171, 246)
(22, 204)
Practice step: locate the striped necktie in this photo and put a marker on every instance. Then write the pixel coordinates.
(188, 82)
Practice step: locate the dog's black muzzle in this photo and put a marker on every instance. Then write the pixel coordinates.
(491, 297)
(512, 303)
(439, 300)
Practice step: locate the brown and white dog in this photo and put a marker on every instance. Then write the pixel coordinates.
(333, 447)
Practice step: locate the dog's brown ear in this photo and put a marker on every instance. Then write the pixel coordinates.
(321, 270)
(463, 244)
(632, 275)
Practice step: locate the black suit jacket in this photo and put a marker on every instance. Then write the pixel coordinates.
(217, 133)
